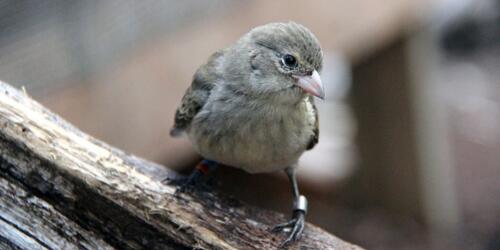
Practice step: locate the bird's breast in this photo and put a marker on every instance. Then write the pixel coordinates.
(254, 137)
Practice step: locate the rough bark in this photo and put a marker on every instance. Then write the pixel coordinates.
(62, 189)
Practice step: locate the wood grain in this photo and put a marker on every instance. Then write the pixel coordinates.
(63, 189)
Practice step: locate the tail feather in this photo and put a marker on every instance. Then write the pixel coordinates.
(176, 132)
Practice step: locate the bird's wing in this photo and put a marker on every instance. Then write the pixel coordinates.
(315, 137)
(197, 94)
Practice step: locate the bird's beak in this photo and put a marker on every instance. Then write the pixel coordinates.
(311, 84)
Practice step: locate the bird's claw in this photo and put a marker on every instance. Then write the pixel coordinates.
(175, 181)
(282, 226)
(184, 185)
(188, 185)
(297, 226)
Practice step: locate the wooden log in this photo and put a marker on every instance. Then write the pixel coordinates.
(62, 189)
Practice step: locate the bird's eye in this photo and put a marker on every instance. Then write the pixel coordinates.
(289, 61)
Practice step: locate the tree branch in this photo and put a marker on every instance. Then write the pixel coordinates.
(62, 189)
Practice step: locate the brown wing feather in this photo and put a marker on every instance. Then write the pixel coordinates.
(196, 95)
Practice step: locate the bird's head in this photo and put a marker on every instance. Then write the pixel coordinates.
(284, 59)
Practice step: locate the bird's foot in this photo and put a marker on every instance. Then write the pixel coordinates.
(296, 224)
(176, 180)
(195, 180)
(185, 187)
(185, 184)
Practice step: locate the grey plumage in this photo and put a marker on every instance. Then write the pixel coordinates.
(197, 94)
(243, 109)
(250, 106)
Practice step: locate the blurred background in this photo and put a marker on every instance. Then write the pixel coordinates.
(410, 131)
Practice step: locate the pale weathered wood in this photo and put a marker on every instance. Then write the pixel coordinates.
(32, 223)
(62, 189)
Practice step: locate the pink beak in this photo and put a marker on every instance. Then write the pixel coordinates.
(311, 84)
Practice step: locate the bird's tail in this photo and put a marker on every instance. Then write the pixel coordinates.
(176, 132)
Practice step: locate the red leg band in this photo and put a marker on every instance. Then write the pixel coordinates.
(203, 167)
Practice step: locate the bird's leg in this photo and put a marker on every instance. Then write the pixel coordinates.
(299, 211)
(202, 169)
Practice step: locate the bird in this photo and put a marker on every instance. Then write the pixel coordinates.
(251, 106)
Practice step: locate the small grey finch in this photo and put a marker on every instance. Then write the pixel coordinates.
(251, 107)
